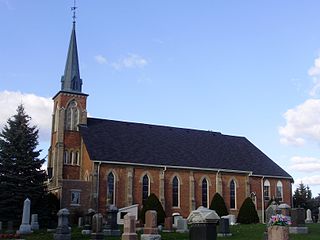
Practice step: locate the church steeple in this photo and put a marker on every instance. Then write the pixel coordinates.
(71, 81)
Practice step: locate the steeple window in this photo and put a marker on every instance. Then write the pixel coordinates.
(72, 116)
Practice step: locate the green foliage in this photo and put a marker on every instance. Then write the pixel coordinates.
(218, 204)
(248, 213)
(20, 167)
(153, 203)
(302, 195)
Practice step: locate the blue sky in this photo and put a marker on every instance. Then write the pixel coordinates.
(247, 68)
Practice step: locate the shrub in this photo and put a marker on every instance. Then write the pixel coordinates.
(218, 204)
(248, 213)
(153, 203)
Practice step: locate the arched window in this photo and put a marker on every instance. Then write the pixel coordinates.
(110, 188)
(279, 191)
(76, 158)
(204, 192)
(266, 190)
(175, 192)
(145, 188)
(71, 157)
(233, 194)
(66, 157)
(72, 116)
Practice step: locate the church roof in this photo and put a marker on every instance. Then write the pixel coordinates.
(145, 144)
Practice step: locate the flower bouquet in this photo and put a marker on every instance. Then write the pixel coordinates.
(279, 220)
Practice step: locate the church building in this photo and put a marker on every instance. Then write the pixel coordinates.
(94, 162)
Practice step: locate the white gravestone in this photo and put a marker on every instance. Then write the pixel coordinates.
(309, 217)
(34, 222)
(25, 227)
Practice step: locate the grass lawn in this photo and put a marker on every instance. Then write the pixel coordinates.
(239, 232)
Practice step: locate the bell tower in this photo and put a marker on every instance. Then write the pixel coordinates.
(70, 103)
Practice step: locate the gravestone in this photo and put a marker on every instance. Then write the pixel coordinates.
(319, 215)
(168, 224)
(111, 228)
(176, 216)
(88, 222)
(203, 224)
(150, 230)
(63, 231)
(309, 217)
(0, 227)
(224, 229)
(97, 233)
(285, 209)
(271, 210)
(25, 227)
(80, 222)
(231, 218)
(182, 226)
(34, 222)
(129, 229)
(298, 222)
(10, 227)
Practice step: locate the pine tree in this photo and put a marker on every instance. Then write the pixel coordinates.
(218, 204)
(20, 167)
(153, 203)
(302, 195)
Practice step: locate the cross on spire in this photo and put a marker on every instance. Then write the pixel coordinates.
(73, 9)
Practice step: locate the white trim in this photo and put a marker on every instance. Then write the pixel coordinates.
(176, 167)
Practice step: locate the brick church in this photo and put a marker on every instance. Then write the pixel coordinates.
(96, 162)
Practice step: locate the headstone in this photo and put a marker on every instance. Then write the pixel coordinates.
(203, 224)
(25, 227)
(0, 227)
(10, 227)
(182, 226)
(63, 230)
(111, 228)
(97, 233)
(80, 222)
(34, 222)
(150, 230)
(319, 215)
(298, 221)
(88, 222)
(309, 217)
(285, 209)
(168, 224)
(176, 216)
(133, 209)
(129, 229)
(271, 210)
(224, 229)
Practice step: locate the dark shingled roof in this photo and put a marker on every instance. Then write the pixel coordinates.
(136, 143)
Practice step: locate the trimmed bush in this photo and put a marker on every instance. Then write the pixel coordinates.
(218, 204)
(153, 203)
(248, 213)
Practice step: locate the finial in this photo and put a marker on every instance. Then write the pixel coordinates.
(73, 9)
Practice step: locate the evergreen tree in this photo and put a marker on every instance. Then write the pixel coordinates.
(218, 204)
(21, 176)
(302, 195)
(247, 212)
(153, 203)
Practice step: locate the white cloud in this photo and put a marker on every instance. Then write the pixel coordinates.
(310, 181)
(38, 108)
(100, 59)
(314, 73)
(130, 61)
(302, 123)
(305, 164)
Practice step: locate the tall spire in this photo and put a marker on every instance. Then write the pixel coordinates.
(71, 80)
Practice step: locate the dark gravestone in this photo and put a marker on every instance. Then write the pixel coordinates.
(224, 227)
(111, 228)
(297, 217)
(203, 231)
(10, 227)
